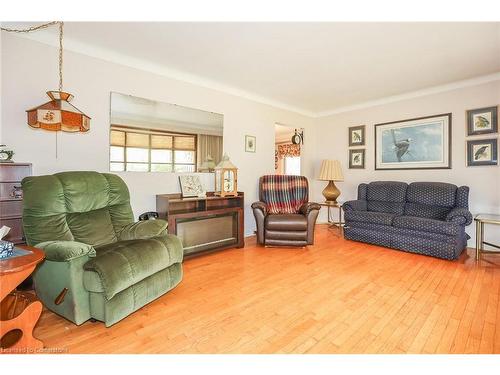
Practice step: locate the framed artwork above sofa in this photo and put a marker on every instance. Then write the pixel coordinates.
(419, 143)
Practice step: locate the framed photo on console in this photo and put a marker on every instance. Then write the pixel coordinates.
(191, 186)
(482, 152)
(357, 159)
(482, 121)
(419, 143)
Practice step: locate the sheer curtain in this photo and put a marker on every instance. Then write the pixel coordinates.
(209, 145)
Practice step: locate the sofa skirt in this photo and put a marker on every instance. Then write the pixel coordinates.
(425, 243)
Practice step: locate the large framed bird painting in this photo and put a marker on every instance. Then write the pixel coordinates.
(482, 152)
(482, 121)
(419, 143)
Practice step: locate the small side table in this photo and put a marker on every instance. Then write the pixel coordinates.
(12, 272)
(480, 220)
(333, 223)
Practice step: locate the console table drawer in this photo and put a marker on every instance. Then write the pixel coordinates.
(11, 208)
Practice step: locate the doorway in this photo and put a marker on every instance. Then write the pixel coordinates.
(287, 158)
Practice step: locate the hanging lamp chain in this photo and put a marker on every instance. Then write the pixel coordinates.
(40, 27)
(61, 27)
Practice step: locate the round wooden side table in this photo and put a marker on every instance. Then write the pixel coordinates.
(13, 271)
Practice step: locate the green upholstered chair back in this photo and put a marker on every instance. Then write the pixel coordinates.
(87, 207)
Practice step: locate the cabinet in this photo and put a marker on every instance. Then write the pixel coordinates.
(11, 207)
(204, 224)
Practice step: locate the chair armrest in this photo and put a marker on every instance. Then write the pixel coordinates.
(260, 206)
(357, 205)
(306, 208)
(143, 230)
(64, 251)
(460, 215)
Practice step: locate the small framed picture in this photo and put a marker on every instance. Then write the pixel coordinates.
(482, 152)
(357, 135)
(357, 159)
(191, 186)
(482, 121)
(250, 143)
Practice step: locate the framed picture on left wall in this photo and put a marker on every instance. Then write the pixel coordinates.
(250, 143)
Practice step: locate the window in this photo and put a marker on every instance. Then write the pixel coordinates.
(292, 165)
(146, 150)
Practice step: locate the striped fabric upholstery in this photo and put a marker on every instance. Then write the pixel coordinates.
(283, 194)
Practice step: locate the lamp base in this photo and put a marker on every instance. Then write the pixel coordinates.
(331, 192)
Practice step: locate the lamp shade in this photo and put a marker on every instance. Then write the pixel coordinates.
(330, 171)
(58, 114)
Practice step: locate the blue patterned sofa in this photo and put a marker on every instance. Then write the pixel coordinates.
(422, 217)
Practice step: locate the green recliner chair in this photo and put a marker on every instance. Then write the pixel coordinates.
(109, 265)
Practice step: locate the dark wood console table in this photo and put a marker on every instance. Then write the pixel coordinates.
(204, 224)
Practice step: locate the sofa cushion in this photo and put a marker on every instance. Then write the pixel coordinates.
(381, 218)
(432, 200)
(124, 263)
(283, 222)
(386, 196)
(426, 225)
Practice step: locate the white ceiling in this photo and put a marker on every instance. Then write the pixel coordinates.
(311, 67)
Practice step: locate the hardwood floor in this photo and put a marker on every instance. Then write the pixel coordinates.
(337, 296)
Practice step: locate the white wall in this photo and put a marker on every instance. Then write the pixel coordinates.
(30, 68)
(484, 181)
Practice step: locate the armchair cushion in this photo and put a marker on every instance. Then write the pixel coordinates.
(427, 225)
(64, 251)
(286, 222)
(143, 230)
(306, 208)
(381, 218)
(122, 264)
(461, 216)
(357, 205)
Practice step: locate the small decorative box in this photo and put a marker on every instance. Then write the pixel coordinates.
(6, 249)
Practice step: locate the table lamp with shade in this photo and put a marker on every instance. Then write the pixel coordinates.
(331, 171)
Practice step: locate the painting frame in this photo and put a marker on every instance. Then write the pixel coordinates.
(443, 121)
(250, 143)
(191, 186)
(360, 151)
(354, 130)
(490, 115)
(492, 142)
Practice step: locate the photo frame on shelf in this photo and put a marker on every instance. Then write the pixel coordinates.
(191, 186)
(419, 143)
(250, 143)
(482, 121)
(357, 159)
(357, 136)
(482, 152)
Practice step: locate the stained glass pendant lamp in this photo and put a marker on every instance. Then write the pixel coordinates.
(59, 114)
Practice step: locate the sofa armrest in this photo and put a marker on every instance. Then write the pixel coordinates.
(143, 230)
(460, 215)
(306, 208)
(260, 206)
(357, 205)
(64, 251)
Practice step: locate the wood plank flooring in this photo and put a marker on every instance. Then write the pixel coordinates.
(337, 296)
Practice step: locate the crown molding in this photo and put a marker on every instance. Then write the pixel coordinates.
(47, 37)
(413, 94)
(73, 45)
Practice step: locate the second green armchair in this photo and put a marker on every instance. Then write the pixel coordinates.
(98, 262)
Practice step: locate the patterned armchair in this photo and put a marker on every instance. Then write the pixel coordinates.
(423, 217)
(284, 217)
